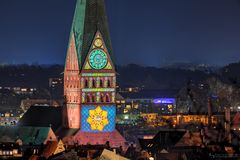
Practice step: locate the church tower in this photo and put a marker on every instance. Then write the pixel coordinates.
(89, 75)
(90, 78)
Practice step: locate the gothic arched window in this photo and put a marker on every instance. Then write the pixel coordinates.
(102, 98)
(101, 83)
(108, 83)
(88, 99)
(93, 83)
(107, 98)
(86, 83)
(93, 99)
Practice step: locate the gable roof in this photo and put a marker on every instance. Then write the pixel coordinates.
(52, 148)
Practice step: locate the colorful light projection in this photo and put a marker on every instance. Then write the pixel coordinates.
(164, 101)
(98, 59)
(98, 90)
(98, 74)
(98, 118)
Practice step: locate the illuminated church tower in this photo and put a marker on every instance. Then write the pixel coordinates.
(90, 77)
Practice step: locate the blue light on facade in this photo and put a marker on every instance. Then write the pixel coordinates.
(85, 126)
(164, 101)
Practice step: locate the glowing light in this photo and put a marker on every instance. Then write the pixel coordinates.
(126, 116)
(98, 74)
(98, 90)
(98, 59)
(128, 106)
(164, 101)
(98, 96)
(113, 97)
(98, 118)
(87, 66)
(109, 66)
(83, 98)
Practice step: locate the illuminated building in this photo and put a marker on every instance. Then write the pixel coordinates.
(55, 82)
(148, 101)
(10, 150)
(184, 119)
(10, 118)
(56, 87)
(90, 78)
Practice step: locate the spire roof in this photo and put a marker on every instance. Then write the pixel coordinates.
(89, 17)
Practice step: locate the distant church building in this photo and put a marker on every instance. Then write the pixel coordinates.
(90, 78)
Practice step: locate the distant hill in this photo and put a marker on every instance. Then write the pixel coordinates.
(130, 75)
(231, 73)
(157, 78)
(28, 75)
(193, 67)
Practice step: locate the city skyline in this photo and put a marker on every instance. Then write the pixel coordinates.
(198, 32)
(158, 91)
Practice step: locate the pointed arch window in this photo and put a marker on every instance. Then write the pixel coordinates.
(102, 98)
(107, 98)
(101, 83)
(88, 99)
(108, 83)
(86, 83)
(93, 99)
(93, 83)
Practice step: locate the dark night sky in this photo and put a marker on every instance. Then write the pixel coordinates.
(147, 32)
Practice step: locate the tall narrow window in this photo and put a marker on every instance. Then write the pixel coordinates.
(88, 98)
(93, 99)
(102, 98)
(108, 83)
(86, 83)
(107, 98)
(101, 83)
(93, 83)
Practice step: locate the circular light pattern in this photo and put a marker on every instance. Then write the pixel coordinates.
(98, 59)
(98, 42)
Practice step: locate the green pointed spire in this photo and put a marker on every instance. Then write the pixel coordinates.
(89, 17)
(77, 29)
